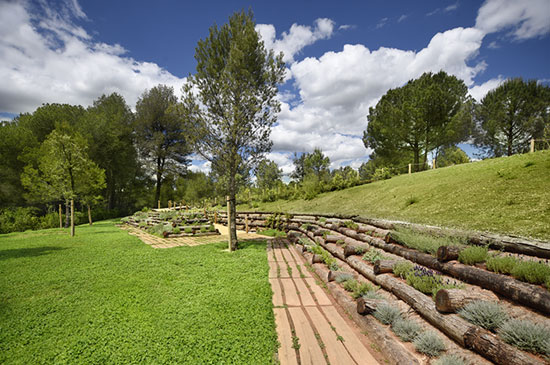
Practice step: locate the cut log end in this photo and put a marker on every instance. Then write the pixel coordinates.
(448, 253)
(452, 300)
(367, 306)
(383, 266)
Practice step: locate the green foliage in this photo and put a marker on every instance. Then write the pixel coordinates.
(268, 175)
(428, 282)
(452, 155)
(473, 255)
(272, 233)
(22, 219)
(188, 230)
(488, 315)
(406, 329)
(140, 304)
(423, 242)
(429, 343)
(372, 256)
(402, 268)
(344, 277)
(425, 114)
(382, 173)
(373, 294)
(502, 264)
(449, 360)
(176, 230)
(387, 314)
(526, 335)
(510, 115)
(351, 224)
(275, 221)
(411, 200)
(531, 271)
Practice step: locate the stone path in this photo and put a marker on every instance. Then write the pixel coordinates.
(309, 326)
(158, 242)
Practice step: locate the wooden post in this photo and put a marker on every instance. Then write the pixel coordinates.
(89, 215)
(205, 214)
(410, 169)
(433, 163)
(169, 204)
(159, 204)
(60, 217)
(72, 217)
(246, 223)
(532, 145)
(216, 217)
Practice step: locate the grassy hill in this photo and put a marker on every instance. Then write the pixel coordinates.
(504, 195)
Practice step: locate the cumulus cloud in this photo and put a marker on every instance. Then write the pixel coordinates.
(524, 19)
(478, 92)
(298, 37)
(45, 58)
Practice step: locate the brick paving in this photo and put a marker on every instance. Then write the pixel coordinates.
(158, 242)
(306, 316)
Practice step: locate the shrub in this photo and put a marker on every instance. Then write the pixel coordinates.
(373, 294)
(344, 277)
(387, 313)
(473, 255)
(428, 282)
(334, 266)
(373, 255)
(188, 230)
(531, 271)
(406, 329)
(350, 285)
(429, 343)
(18, 219)
(351, 224)
(526, 335)
(501, 264)
(382, 173)
(402, 268)
(449, 360)
(176, 230)
(547, 283)
(424, 242)
(488, 315)
(411, 200)
(362, 289)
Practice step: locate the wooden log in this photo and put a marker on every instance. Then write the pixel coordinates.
(317, 259)
(448, 253)
(451, 300)
(354, 250)
(486, 343)
(334, 237)
(383, 266)
(334, 275)
(368, 306)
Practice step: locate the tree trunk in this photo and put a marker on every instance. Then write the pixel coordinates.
(383, 266)
(452, 300)
(448, 253)
(89, 214)
(60, 217)
(72, 217)
(232, 223)
(67, 214)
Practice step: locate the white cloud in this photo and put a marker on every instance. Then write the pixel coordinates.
(201, 166)
(478, 92)
(381, 23)
(525, 19)
(451, 7)
(402, 17)
(298, 37)
(46, 58)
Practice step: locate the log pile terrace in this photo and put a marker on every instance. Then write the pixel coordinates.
(340, 247)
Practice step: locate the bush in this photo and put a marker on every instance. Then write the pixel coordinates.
(424, 242)
(373, 255)
(387, 314)
(501, 264)
(449, 360)
(428, 282)
(429, 343)
(344, 277)
(402, 268)
(488, 315)
(526, 335)
(473, 255)
(188, 230)
(531, 271)
(382, 173)
(18, 219)
(176, 230)
(373, 294)
(406, 329)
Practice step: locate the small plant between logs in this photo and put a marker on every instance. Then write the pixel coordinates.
(172, 223)
(446, 297)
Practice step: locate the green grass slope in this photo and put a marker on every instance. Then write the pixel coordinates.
(504, 195)
(105, 297)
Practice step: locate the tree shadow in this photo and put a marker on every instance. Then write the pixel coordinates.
(251, 242)
(28, 252)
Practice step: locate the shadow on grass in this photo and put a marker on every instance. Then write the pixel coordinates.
(28, 252)
(251, 243)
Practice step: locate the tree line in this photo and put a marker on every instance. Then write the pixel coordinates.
(112, 161)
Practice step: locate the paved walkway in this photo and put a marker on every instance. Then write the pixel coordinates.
(158, 242)
(309, 327)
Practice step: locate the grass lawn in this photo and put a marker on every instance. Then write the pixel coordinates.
(105, 297)
(504, 195)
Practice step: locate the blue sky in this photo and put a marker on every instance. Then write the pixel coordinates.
(341, 58)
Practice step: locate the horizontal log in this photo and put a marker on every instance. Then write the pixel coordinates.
(334, 275)
(317, 259)
(383, 266)
(452, 300)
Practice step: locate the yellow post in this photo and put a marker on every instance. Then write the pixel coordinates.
(169, 204)
(159, 204)
(410, 169)
(433, 163)
(532, 145)
(60, 217)
(72, 217)
(215, 217)
(246, 223)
